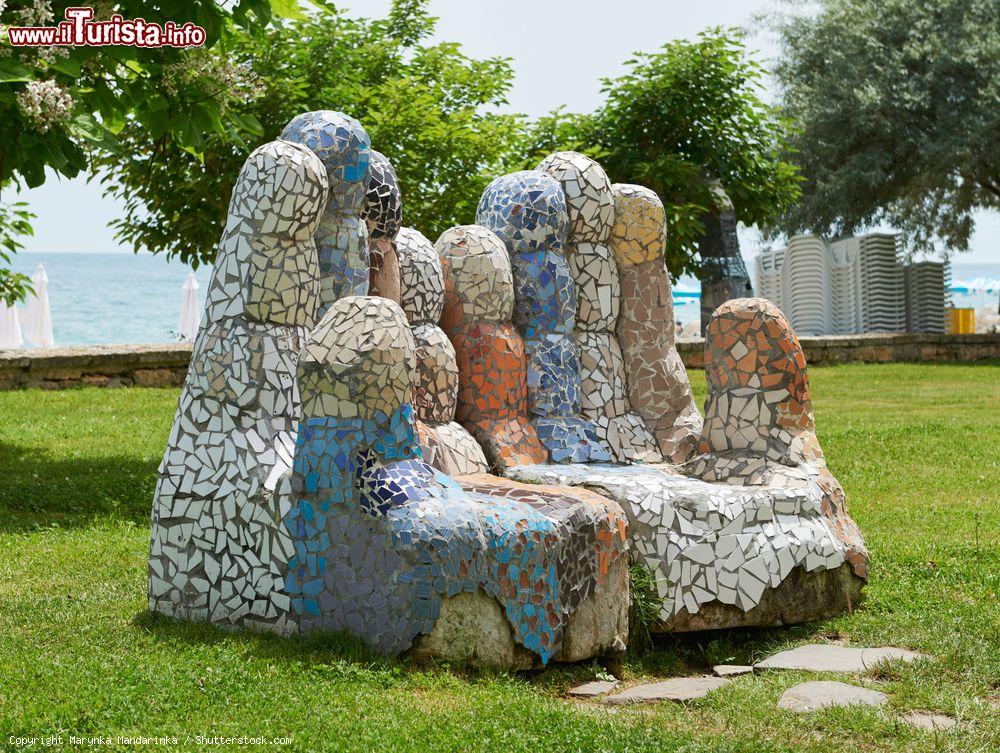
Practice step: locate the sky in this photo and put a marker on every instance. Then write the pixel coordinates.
(580, 41)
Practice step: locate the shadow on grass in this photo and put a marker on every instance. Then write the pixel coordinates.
(42, 491)
(341, 655)
(317, 648)
(336, 655)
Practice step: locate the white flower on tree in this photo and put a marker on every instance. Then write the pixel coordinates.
(45, 103)
(38, 13)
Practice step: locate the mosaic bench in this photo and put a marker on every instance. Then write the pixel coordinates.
(328, 466)
(293, 495)
(737, 517)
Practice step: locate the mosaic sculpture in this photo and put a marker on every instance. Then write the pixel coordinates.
(492, 366)
(743, 533)
(217, 540)
(658, 386)
(317, 476)
(382, 540)
(384, 217)
(527, 211)
(342, 237)
(293, 495)
(446, 445)
(778, 447)
(755, 529)
(603, 395)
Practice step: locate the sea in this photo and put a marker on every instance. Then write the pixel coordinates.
(115, 298)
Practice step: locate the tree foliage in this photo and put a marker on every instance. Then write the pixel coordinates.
(61, 106)
(690, 111)
(15, 222)
(167, 130)
(678, 118)
(897, 107)
(424, 105)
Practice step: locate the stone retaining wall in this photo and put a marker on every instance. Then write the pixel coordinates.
(95, 365)
(165, 365)
(874, 348)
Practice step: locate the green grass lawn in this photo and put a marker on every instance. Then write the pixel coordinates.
(915, 446)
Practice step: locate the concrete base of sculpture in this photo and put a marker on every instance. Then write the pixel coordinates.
(802, 597)
(599, 626)
(472, 630)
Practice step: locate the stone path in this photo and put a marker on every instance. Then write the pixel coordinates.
(929, 721)
(801, 698)
(592, 689)
(820, 657)
(732, 670)
(809, 696)
(674, 689)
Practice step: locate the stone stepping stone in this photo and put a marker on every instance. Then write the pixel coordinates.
(822, 657)
(927, 720)
(872, 656)
(593, 688)
(732, 670)
(810, 696)
(674, 689)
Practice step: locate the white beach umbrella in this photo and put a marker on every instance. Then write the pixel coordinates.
(37, 314)
(10, 327)
(187, 330)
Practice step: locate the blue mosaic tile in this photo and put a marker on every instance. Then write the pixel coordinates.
(527, 210)
(545, 297)
(344, 148)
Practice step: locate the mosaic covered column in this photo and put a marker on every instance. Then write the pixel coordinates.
(603, 395)
(658, 387)
(758, 392)
(355, 379)
(446, 445)
(527, 211)
(216, 543)
(478, 306)
(342, 237)
(384, 216)
(758, 416)
(385, 546)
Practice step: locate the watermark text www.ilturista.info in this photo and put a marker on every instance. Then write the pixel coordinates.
(81, 30)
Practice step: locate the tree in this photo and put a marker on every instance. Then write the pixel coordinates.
(60, 106)
(897, 107)
(424, 106)
(168, 130)
(677, 121)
